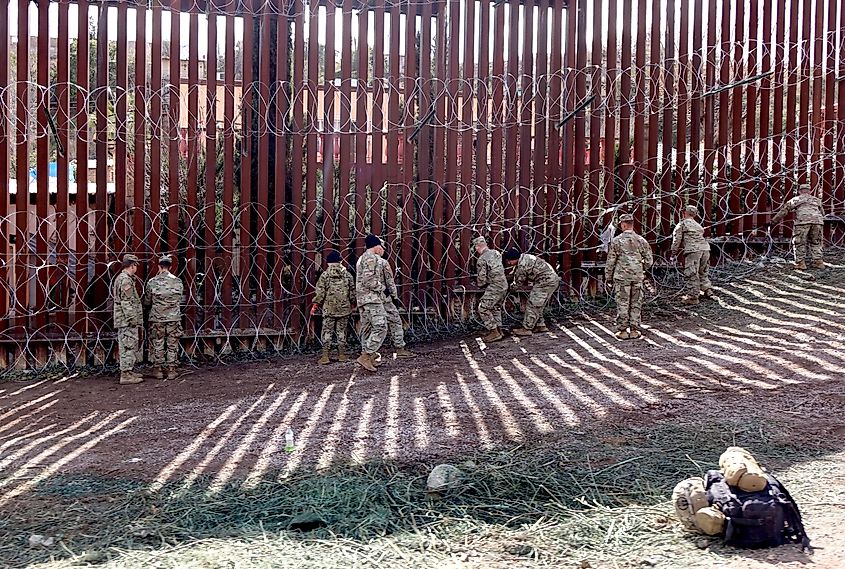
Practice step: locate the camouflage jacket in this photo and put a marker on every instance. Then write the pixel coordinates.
(534, 270)
(491, 272)
(127, 303)
(628, 258)
(164, 297)
(389, 281)
(689, 237)
(369, 279)
(335, 291)
(808, 210)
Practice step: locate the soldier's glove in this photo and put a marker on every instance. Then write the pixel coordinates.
(314, 308)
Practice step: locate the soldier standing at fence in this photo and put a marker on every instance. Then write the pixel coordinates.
(394, 320)
(336, 294)
(491, 278)
(164, 297)
(544, 282)
(808, 227)
(628, 258)
(688, 238)
(128, 317)
(369, 290)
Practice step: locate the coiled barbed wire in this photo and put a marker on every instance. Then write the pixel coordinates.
(251, 283)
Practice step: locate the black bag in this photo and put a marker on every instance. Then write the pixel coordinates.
(767, 518)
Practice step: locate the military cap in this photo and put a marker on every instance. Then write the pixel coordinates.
(511, 254)
(333, 257)
(372, 241)
(130, 258)
(691, 209)
(165, 260)
(804, 188)
(479, 241)
(626, 218)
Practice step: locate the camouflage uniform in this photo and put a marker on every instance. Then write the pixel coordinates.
(807, 232)
(689, 238)
(369, 290)
(491, 277)
(394, 320)
(544, 280)
(627, 260)
(336, 294)
(128, 316)
(164, 296)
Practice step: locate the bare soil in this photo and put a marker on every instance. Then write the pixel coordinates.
(771, 347)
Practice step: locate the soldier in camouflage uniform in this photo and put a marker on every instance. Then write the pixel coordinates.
(808, 227)
(688, 238)
(544, 282)
(164, 297)
(128, 317)
(628, 258)
(370, 296)
(491, 278)
(336, 295)
(394, 320)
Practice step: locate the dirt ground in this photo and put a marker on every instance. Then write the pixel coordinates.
(771, 347)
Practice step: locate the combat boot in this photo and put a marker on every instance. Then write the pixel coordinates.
(130, 377)
(405, 353)
(800, 266)
(171, 373)
(522, 332)
(324, 359)
(341, 355)
(623, 334)
(540, 328)
(689, 300)
(366, 361)
(493, 335)
(634, 334)
(818, 264)
(707, 293)
(156, 373)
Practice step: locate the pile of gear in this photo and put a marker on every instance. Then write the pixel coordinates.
(741, 503)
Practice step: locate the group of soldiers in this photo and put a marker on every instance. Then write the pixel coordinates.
(373, 290)
(163, 297)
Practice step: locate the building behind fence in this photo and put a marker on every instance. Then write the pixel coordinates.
(249, 137)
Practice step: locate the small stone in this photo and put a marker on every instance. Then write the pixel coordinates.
(522, 550)
(648, 562)
(702, 543)
(443, 477)
(92, 557)
(36, 540)
(585, 564)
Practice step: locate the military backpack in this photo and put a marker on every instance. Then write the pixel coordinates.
(767, 518)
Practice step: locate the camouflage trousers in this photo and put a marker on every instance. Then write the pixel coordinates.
(373, 326)
(334, 326)
(629, 304)
(394, 324)
(807, 242)
(127, 347)
(490, 306)
(696, 267)
(164, 343)
(538, 298)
